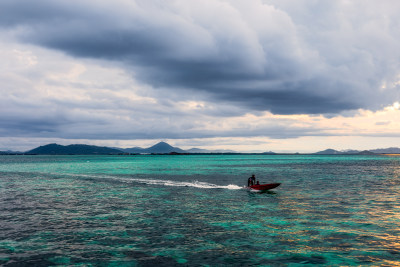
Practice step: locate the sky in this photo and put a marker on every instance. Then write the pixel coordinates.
(245, 75)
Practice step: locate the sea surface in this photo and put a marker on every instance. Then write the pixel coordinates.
(193, 210)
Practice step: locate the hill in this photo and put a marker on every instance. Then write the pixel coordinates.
(346, 152)
(390, 150)
(199, 150)
(164, 148)
(159, 148)
(55, 149)
(9, 152)
(330, 152)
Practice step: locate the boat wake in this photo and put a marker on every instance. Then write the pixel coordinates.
(195, 184)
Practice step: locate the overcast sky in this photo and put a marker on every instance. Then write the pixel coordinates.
(254, 75)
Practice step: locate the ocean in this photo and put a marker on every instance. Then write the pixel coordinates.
(193, 210)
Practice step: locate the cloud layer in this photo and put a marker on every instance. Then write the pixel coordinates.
(308, 57)
(197, 70)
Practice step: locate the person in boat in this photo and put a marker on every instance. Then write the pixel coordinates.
(252, 180)
(258, 183)
(249, 182)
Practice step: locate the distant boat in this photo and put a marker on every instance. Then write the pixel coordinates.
(263, 187)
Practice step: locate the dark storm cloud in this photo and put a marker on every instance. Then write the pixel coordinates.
(244, 53)
(50, 125)
(17, 125)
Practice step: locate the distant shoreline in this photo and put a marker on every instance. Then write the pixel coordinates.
(194, 154)
(163, 148)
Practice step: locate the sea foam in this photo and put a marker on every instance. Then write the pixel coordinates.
(195, 184)
(150, 181)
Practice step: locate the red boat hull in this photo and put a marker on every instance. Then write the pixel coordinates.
(263, 187)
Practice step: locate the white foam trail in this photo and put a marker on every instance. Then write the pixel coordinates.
(195, 184)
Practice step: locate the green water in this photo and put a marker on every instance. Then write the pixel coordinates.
(192, 210)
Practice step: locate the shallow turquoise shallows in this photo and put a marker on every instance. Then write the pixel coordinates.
(193, 210)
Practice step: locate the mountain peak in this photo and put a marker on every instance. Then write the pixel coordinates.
(163, 147)
(159, 148)
(328, 151)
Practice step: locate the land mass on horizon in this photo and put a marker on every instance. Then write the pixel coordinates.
(165, 148)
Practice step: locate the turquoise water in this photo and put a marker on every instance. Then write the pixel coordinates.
(192, 210)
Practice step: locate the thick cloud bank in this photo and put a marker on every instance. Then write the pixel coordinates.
(287, 57)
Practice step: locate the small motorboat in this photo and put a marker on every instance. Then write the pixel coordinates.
(263, 187)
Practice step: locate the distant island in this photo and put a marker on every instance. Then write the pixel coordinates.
(55, 149)
(391, 150)
(165, 148)
(81, 149)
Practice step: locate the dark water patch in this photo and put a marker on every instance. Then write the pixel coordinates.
(98, 256)
(144, 259)
(377, 257)
(309, 232)
(222, 257)
(338, 236)
(314, 222)
(41, 259)
(300, 259)
(294, 259)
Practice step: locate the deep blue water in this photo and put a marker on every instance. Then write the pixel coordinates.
(192, 210)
